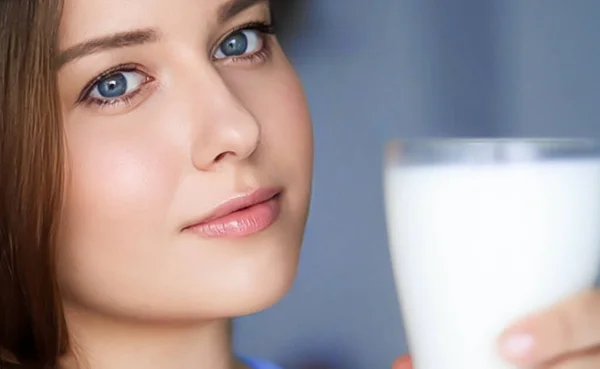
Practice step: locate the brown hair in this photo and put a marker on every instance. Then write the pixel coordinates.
(32, 328)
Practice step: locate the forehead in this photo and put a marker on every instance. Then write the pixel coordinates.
(86, 19)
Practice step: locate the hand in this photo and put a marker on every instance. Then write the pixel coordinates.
(566, 336)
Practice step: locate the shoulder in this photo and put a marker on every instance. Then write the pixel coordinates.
(255, 363)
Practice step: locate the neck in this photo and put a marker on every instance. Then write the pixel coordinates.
(103, 344)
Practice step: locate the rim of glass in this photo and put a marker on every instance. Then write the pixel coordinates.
(488, 150)
(541, 142)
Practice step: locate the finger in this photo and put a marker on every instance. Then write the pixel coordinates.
(403, 362)
(571, 326)
(584, 360)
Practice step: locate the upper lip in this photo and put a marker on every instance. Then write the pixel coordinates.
(237, 203)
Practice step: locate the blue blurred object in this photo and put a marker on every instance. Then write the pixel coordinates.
(259, 364)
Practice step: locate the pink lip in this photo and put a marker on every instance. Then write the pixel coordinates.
(241, 216)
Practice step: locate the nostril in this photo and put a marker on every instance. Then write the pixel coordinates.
(220, 156)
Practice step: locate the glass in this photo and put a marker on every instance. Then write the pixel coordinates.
(483, 232)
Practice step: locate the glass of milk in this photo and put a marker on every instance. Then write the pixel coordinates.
(484, 232)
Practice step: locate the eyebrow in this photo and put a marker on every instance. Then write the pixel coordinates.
(114, 41)
(142, 36)
(235, 7)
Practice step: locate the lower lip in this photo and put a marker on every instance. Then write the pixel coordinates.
(241, 223)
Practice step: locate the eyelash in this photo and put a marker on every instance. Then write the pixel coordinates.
(263, 28)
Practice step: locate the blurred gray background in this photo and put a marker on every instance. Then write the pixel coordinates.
(379, 69)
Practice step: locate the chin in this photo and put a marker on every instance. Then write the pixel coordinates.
(256, 294)
(226, 280)
(268, 297)
(267, 275)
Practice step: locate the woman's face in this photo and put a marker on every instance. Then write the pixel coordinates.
(171, 109)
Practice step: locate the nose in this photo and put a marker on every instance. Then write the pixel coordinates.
(230, 132)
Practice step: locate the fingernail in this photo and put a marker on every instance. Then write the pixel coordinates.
(517, 346)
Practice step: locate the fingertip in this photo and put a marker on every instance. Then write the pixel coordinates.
(517, 346)
(403, 362)
(520, 344)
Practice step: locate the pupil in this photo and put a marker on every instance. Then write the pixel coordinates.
(113, 86)
(235, 45)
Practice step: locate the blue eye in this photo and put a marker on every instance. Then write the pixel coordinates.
(248, 41)
(117, 85)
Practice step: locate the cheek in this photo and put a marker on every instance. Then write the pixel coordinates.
(277, 101)
(287, 135)
(111, 179)
(288, 131)
(119, 189)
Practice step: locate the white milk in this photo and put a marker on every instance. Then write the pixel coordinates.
(476, 247)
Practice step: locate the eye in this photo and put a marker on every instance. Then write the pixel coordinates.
(247, 41)
(117, 85)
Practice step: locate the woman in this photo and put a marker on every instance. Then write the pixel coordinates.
(157, 161)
